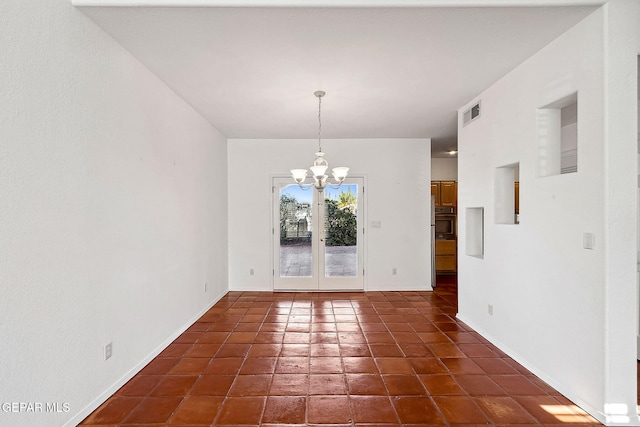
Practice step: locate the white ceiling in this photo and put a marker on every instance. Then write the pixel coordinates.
(388, 72)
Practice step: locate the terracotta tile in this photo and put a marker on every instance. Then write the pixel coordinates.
(298, 327)
(495, 366)
(434, 337)
(359, 365)
(174, 385)
(197, 410)
(241, 338)
(428, 366)
(251, 385)
(289, 385)
(350, 337)
(518, 385)
(422, 327)
(441, 385)
(140, 385)
(373, 327)
(462, 337)
(416, 410)
(213, 338)
(224, 366)
(325, 365)
(415, 350)
(323, 327)
(285, 410)
(295, 349)
(159, 366)
(187, 337)
(403, 385)
(325, 384)
(190, 366)
(252, 318)
(273, 327)
(175, 350)
(258, 365)
(477, 350)
(325, 350)
(447, 350)
(479, 385)
(399, 327)
(153, 410)
(373, 409)
(379, 338)
(202, 350)
(393, 365)
(460, 410)
(546, 409)
(324, 338)
(366, 384)
(241, 410)
(503, 410)
(269, 337)
(114, 410)
(354, 350)
(385, 350)
(292, 365)
(462, 366)
(329, 410)
(212, 385)
(265, 350)
(407, 337)
(233, 350)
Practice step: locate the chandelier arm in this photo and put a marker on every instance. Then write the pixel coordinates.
(305, 186)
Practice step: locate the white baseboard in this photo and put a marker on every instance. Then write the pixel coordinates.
(95, 404)
(595, 413)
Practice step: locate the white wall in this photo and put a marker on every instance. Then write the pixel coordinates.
(549, 294)
(397, 188)
(113, 201)
(621, 207)
(444, 169)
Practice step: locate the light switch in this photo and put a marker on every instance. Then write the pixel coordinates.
(376, 224)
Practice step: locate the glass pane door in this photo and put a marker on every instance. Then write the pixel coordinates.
(295, 249)
(340, 243)
(318, 237)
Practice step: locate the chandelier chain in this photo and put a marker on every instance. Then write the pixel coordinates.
(319, 124)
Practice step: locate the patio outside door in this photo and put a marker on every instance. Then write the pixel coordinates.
(317, 237)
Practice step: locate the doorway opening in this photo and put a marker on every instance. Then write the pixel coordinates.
(318, 236)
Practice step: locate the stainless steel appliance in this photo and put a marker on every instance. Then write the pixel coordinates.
(433, 242)
(445, 223)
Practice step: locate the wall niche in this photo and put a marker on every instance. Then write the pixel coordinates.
(558, 137)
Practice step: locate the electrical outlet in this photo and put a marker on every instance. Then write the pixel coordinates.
(490, 309)
(394, 271)
(108, 351)
(251, 272)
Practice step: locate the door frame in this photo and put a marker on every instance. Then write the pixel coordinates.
(312, 284)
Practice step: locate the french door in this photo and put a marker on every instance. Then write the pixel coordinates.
(318, 237)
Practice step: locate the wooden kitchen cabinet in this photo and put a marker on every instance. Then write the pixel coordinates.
(445, 193)
(448, 193)
(435, 192)
(446, 256)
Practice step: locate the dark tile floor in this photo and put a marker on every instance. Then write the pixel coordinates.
(340, 359)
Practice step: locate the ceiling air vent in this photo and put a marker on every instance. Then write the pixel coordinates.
(471, 114)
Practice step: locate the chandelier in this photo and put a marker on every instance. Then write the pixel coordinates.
(320, 165)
